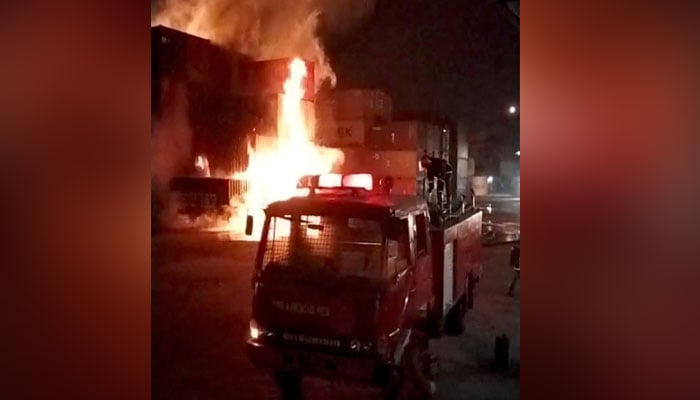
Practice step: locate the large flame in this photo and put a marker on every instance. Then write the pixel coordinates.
(201, 163)
(275, 165)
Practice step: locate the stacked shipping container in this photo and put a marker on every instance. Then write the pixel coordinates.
(267, 77)
(423, 137)
(360, 123)
(349, 117)
(261, 86)
(240, 102)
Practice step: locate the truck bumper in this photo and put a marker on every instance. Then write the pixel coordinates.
(318, 364)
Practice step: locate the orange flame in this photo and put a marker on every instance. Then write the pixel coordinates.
(202, 165)
(276, 165)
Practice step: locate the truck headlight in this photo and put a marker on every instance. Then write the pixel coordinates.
(254, 329)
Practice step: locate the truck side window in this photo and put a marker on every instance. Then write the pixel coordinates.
(399, 250)
(421, 234)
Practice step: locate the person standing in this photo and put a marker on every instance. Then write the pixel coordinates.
(436, 168)
(515, 264)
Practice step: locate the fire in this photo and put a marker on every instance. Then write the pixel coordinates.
(276, 165)
(202, 165)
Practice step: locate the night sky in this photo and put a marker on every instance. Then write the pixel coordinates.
(458, 58)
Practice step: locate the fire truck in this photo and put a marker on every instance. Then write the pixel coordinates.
(350, 281)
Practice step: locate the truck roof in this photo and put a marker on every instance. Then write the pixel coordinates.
(366, 205)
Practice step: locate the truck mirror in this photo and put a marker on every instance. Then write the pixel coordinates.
(249, 225)
(394, 229)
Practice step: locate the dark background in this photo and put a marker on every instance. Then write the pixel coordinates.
(457, 59)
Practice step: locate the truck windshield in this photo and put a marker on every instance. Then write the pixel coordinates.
(339, 246)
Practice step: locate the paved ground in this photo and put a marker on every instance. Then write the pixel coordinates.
(466, 362)
(201, 306)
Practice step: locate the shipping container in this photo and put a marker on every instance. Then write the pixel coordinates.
(432, 137)
(337, 133)
(181, 57)
(402, 135)
(202, 192)
(405, 186)
(395, 163)
(268, 77)
(418, 136)
(267, 114)
(354, 104)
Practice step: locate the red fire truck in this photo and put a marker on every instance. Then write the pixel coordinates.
(350, 281)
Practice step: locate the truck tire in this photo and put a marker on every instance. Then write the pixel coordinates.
(409, 380)
(454, 320)
(393, 387)
(289, 384)
(434, 326)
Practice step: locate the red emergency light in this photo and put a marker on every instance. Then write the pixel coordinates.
(359, 181)
(330, 180)
(337, 181)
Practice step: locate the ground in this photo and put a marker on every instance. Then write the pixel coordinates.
(466, 369)
(201, 292)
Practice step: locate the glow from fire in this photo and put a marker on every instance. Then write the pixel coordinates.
(202, 165)
(277, 163)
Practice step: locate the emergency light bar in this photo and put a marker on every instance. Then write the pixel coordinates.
(359, 181)
(337, 181)
(330, 180)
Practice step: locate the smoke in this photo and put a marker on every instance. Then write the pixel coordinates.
(172, 140)
(265, 29)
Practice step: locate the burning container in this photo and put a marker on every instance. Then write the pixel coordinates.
(200, 195)
(192, 60)
(267, 113)
(354, 104)
(268, 77)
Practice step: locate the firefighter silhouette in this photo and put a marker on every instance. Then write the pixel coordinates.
(515, 264)
(436, 168)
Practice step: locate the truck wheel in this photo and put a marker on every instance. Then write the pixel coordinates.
(454, 321)
(392, 388)
(434, 327)
(410, 380)
(289, 384)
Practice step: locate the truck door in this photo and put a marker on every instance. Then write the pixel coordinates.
(424, 272)
(448, 278)
(400, 271)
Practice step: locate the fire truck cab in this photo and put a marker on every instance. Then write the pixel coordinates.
(347, 276)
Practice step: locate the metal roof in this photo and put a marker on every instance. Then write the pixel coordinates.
(368, 205)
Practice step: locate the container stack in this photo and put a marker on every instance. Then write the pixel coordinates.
(350, 117)
(267, 77)
(357, 121)
(420, 136)
(262, 88)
